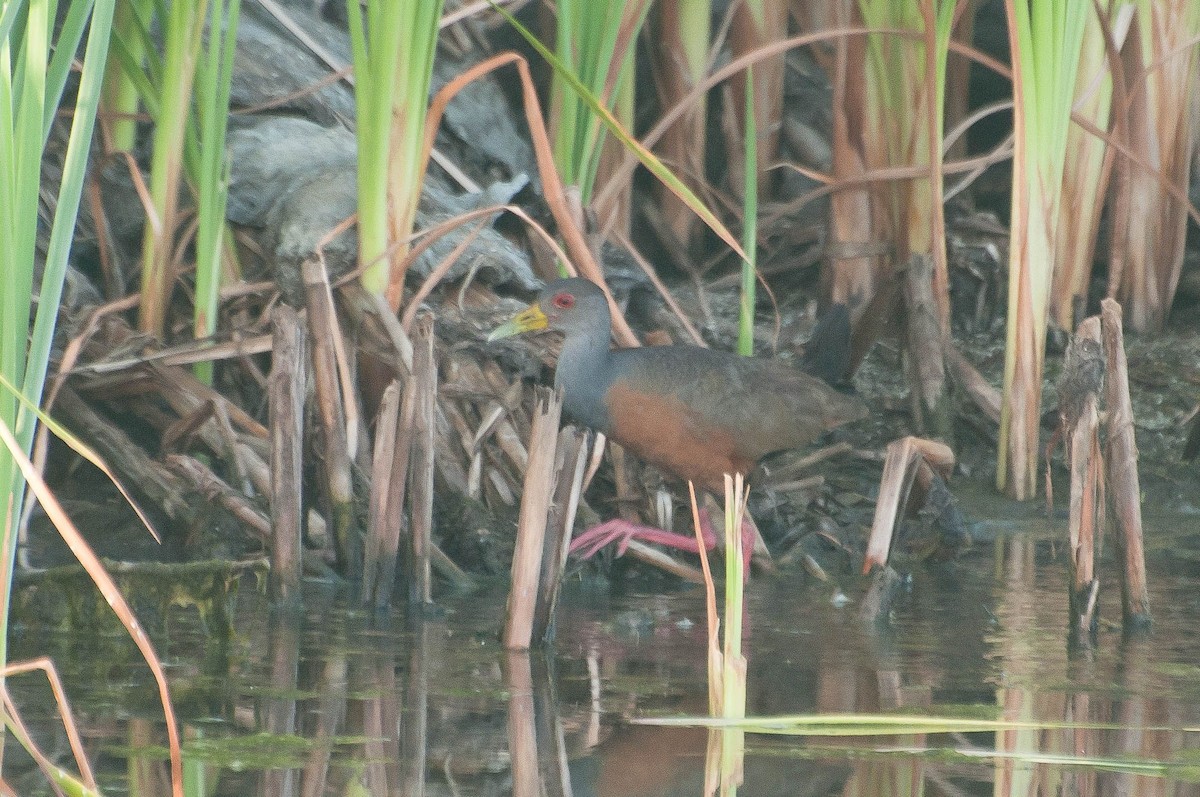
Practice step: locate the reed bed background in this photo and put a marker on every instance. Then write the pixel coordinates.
(1105, 133)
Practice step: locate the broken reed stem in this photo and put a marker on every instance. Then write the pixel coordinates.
(323, 326)
(531, 527)
(1078, 397)
(1085, 520)
(424, 377)
(569, 462)
(710, 605)
(389, 472)
(905, 460)
(733, 676)
(1123, 471)
(285, 398)
(726, 749)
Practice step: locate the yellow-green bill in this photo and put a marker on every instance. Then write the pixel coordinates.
(528, 320)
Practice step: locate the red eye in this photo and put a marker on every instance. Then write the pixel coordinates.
(564, 301)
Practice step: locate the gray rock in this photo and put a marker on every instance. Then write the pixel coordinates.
(296, 181)
(482, 120)
(293, 172)
(272, 68)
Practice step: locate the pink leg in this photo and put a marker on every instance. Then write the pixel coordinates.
(622, 531)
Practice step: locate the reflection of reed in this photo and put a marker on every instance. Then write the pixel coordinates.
(645, 760)
(1020, 769)
(1143, 721)
(279, 712)
(1079, 741)
(377, 720)
(536, 744)
(552, 740)
(522, 731)
(1038, 689)
(330, 716)
(146, 776)
(871, 690)
(724, 761)
(1013, 777)
(354, 683)
(410, 766)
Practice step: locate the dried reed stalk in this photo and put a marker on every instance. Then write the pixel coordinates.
(531, 527)
(108, 590)
(757, 24)
(204, 481)
(855, 268)
(285, 399)
(54, 773)
(389, 476)
(333, 409)
(908, 459)
(1078, 399)
(1085, 172)
(130, 461)
(986, 397)
(424, 377)
(1123, 471)
(552, 186)
(663, 561)
(1159, 123)
(681, 60)
(569, 463)
(926, 349)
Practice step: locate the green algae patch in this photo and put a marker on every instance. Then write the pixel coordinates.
(64, 598)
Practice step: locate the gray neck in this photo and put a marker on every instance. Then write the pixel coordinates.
(582, 371)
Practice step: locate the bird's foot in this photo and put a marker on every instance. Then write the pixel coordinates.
(621, 531)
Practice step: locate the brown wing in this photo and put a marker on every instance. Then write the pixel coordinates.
(663, 430)
(701, 414)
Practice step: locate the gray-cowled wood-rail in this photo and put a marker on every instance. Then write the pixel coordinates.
(696, 413)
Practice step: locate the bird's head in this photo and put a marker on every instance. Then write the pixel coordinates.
(567, 305)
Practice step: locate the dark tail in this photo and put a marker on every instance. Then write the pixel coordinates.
(1192, 447)
(827, 353)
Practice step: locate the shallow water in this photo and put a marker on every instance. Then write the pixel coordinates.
(311, 704)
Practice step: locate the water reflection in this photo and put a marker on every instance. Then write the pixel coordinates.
(336, 701)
